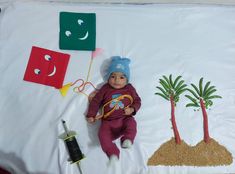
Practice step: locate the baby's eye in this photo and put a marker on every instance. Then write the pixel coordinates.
(112, 77)
(122, 77)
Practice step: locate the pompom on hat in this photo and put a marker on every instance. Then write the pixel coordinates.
(119, 64)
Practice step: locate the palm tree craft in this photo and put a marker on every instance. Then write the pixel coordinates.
(171, 90)
(202, 98)
(176, 152)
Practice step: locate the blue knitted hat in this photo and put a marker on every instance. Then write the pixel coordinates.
(119, 64)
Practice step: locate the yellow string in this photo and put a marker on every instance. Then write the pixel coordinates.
(105, 115)
(84, 83)
(81, 87)
(76, 89)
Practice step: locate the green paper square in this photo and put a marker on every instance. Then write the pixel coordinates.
(77, 31)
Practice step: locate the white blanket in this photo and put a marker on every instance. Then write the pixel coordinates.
(193, 41)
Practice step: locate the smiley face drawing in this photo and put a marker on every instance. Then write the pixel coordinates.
(77, 31)
(46, 67)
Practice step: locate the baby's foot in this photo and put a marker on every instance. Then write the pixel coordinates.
(126, 144)
(112, 160)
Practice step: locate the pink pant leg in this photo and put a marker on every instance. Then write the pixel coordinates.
(129, 129)
(106, 138)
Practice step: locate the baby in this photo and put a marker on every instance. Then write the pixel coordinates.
(119, 102)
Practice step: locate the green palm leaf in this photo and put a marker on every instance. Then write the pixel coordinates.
(176, 80)
(192, 105)
(210, 93)
(212, 97)
(179, 92)
(179, 85)
(176, 99)
(165, 86)
(192, 92)
(205, 88)
(196, 89)
(162, 95)
(192, 99)
(209, 89)
(162, 90)
(200, 86)
(167, 80)
(183, 87)
(171, 82)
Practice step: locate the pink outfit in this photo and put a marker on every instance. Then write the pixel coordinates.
(116, 124)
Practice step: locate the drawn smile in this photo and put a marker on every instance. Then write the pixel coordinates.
(85, 37)
(53, 72)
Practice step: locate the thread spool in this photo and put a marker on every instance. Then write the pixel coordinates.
(73, 148)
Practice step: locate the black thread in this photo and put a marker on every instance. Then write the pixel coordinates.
(74, 149)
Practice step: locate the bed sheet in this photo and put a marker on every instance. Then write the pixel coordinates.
(193, 41)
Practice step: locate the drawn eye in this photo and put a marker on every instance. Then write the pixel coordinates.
(68, 33)
(37, 71)
(47, 57)
(80, 21)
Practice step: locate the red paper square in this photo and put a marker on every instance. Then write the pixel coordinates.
(46, 67)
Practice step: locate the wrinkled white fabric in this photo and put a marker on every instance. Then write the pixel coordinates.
(190, 40)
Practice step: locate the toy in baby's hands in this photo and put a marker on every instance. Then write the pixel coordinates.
(120, 102)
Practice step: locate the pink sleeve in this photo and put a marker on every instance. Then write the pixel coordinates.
(96, 102)
(136, 99)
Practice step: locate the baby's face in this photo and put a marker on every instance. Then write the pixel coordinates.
(117, 80)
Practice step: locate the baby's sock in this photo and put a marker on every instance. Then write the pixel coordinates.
(113, 159)
(126, 144)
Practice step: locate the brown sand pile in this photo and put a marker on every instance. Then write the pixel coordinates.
(172, 154)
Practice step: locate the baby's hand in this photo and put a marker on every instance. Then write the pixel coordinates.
(129, 110)
(90, 119)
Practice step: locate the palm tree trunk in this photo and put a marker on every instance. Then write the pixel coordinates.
(205, 122)
(176, 132)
